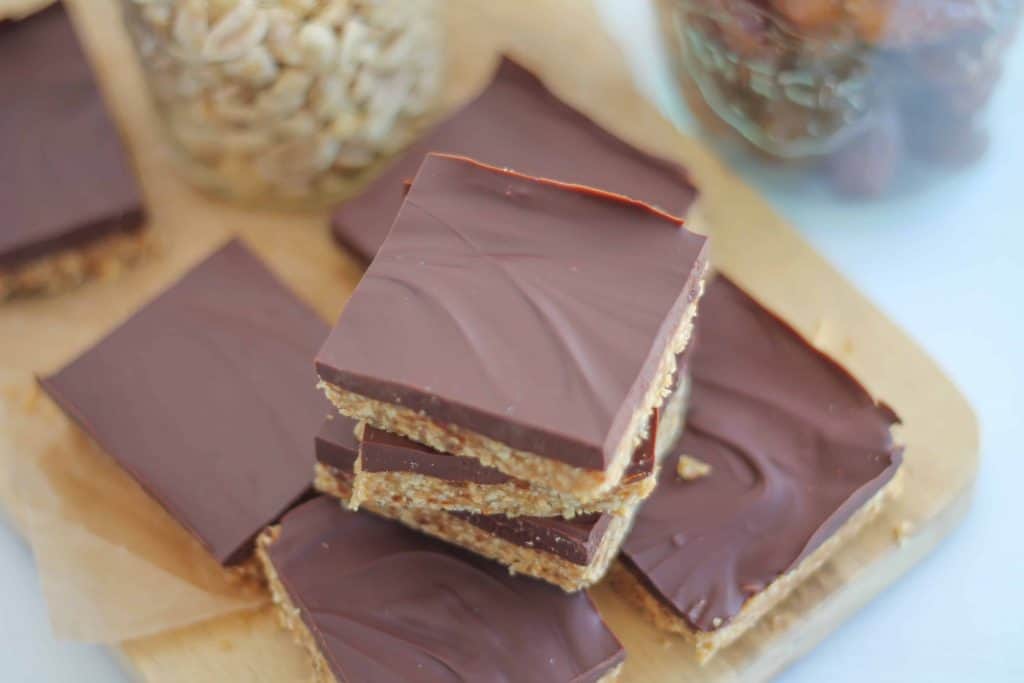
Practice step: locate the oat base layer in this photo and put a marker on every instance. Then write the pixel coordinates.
(707, 644)
(103, 258)
(288, 615)
(516, 498)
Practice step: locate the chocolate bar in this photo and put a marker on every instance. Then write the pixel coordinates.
(526, 323)
(72, 207)
(372, 601)
(408, 473)
(785, 457)
(517, 122)
(205, 396)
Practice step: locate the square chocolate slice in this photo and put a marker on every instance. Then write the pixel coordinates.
(205, 397)
(519, 123)
(71, 205)
(523, 322)
(783, 459)
(372, 601)
(569, 553)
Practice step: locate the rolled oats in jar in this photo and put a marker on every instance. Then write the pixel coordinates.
(864, 89)
(288, 101)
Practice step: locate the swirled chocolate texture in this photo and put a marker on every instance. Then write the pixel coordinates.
(529, 311)
(517, 123)
(795, 446)
(205, 396)
(64, 175)
(384, 603)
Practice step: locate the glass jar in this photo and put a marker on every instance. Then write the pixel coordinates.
(288, 101)
(863, 89)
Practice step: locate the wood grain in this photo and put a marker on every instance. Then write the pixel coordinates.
(564, 41)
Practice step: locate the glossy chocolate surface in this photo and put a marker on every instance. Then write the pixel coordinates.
(385, 452)
(388, 604)
(65, 179)
(795, 444)
(206, 397)
(528, 311)
(517, 123)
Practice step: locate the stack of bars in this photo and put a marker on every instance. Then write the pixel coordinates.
(517, 375)
(498, 382)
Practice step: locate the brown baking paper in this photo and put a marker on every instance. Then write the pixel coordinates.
(112, 563)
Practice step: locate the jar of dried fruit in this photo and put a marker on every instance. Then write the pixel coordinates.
(288, 101)
(863, 88)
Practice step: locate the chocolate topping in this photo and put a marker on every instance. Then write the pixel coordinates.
(205, 397)
(574, 540)
(547, 308)
(384, 452)
(387, 604)
(336, 444)
(795, 446)
(516, 122)
(64, 178)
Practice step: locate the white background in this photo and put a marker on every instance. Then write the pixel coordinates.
(947, 263)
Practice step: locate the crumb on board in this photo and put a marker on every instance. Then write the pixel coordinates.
(780, 621)
(820, 333)
(902, 531)
(689, 468)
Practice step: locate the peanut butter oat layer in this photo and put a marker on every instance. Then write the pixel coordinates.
(72, 207)
(204, 397)
(526, 323)
(408, 474)
(371, 601)
(796, 457)
(517, 123)
(570, 553)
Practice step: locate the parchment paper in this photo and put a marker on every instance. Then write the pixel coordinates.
(18, 9)
(112, 563)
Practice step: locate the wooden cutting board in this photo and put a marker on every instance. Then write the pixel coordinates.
(565, 42)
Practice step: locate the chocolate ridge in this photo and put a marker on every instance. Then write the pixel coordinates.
(385, 603)
(576, 540)
(336, 444)
(382, 451)
(795, 446)
(517, 122)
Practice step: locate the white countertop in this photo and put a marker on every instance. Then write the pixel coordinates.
(948, 265)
